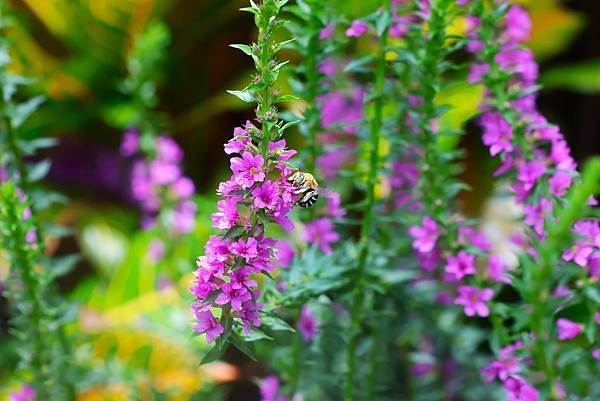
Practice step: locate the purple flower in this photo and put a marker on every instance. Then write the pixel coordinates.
(27, 393)
(518, 24)
(266, 196)
(284, 254)
(321, 232)
(535, 215)
(559, 183)
(596, 354)
(248, 169)
(31, 236)
(468, 235)
(307, 325)
(474, 300)
(168, 150)
(130, 143)
(567, 329)
(497, 270)
(578, 253)
(245, 249)
(231, 295)
(163, 172)
(327, 32)
(477, 71)
(459, 266)
(529, 172)
(560, 154)
(399, 26)
(501, 368)
(206, 323)
(333, 204)
(497, 133)
(184, 217)
(597, 316)
(227, 215)
(518, 61)
(357, 29)
(425, 236)
(269, 387)
(519, 390)
(156, 250)
(183, 187)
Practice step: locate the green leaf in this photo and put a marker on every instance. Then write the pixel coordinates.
(287, 125)
(286, 98)
(246, 348)
(24, 110)
(62, 265)
(243, 95)
(213, 354)
(277, 324)
(245, 48)
(39, 170)
(358, 64)
(582, 77)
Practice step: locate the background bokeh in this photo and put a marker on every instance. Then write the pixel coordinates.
(77, 52)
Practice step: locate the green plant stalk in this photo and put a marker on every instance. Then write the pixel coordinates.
(31, 286)
(432, 58)
(268, 10)
(25, 186)
(549, 254)
(312, 78)
(366, 225)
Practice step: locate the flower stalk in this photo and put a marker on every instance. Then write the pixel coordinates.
(376, 123)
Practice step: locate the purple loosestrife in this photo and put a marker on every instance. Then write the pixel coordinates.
(567, 329)
(26, 393)
(308, 324)
(158, 185)
(257, 193)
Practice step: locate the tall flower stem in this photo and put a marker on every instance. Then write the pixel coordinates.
(367, 221)
(268, 12)
(25, 265)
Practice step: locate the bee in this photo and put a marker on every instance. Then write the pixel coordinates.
(306, 187)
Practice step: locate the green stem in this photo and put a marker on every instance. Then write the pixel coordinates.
(265, 105)
(366, 226)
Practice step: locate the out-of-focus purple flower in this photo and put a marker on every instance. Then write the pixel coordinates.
(168, 150)
(497, 269)
(562, 291)
(269, 387)
(502, 368)
(184, 187)
(328, 67)
(518, 389)
(284, 254)
(31, 236)
(560, 154)
(567, 329)
(399, 26)
(420, 369)
(333, 204)
(130, 143)
(321, 232)
(425, 236)
(497, 133)
(357, 29)
(476, 72)
(536, 215)
(26, 393)
(156, 250)
(594, 265)
(596, 353)
(331, 162)
(206, 323)
(428, 261)
(529, 172)
(559, 183)
(597, 316)
(459, 266)
(184, 217)
(247, 169)
(308, 324)
(227, 215)
(474, 300)
(462, 3)
(518, 61)
(470, 236)
(327, 32)
(339, 107)
(518, 24)
(578, 253)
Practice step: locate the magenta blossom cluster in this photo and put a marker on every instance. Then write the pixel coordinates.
(160, 180)
(26, 393)
(159, 187)
(506, 369)
(257, 191)
(269, 389)
(308, 325)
